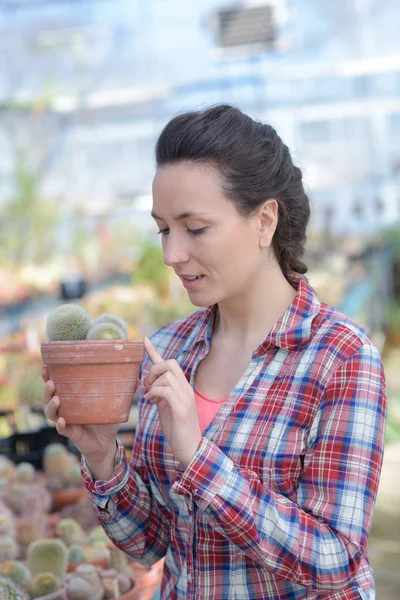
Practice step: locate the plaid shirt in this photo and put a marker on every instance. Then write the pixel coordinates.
(277, 501)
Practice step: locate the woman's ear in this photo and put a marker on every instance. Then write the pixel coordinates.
(268, 221)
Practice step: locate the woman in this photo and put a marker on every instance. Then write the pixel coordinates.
(260, 440)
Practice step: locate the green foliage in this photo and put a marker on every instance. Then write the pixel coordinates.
(26, 219)
(151, 268)
(68, 322)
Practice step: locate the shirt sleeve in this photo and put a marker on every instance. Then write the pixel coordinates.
(319, 540)
(126, 507)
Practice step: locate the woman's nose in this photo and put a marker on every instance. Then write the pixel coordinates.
(174, 251)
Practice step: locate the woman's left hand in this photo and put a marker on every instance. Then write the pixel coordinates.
(170, 391)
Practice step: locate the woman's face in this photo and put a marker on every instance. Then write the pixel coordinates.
(214, 250)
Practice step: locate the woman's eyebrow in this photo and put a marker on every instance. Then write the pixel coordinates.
(183, 215)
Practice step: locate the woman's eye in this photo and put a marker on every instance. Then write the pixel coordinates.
(197, 231)
(163, 231)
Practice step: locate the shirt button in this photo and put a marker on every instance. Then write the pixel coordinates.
(189, 578)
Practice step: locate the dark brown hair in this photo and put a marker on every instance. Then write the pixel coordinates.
(254, 165)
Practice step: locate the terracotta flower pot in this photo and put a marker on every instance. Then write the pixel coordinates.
(62, 498)
(95, 380)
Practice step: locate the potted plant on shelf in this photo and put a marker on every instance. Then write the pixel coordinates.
(93, 365)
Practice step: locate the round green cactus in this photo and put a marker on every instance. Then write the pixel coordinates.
(70, 531)
(9, 590)
(8, 548)
(105, 331)
(111, 318)
(25, 472)
(30, 388)
(68, 322)
(45, 583)
(76, 553)
(48, 555)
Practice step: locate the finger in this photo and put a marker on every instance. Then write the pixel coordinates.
(167, 379)
(49, 389)
(159, 392)
(166, 366)
(63, 428)
(51, 409)
(154, 355)
(44, 373)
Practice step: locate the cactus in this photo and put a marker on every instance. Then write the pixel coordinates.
(70, 532)
(8, 548)
(98, 533)
(68, 322)
(30, 388)
(119, 559)
(78, 589)
(111, 318)
(110, 583)
(105, 331)
(23, 497)
(25, 471)
(124, 583)
(7, 524)
(76, 553)
(91, 575)
(48, 555)
(74, 477)
(9, 590)
(18, 572)
(7, 468)
(45, 583)
(30, 529)
(56, 463)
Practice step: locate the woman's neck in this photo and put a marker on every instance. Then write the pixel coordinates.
(246, 319)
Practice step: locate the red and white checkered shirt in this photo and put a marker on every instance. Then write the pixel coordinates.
(277, 501)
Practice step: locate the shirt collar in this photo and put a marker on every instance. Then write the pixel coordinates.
(293, 329)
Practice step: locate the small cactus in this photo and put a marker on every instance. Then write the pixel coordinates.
(9, 590)
(48, 555)
(7, 468)
(30, 388)
(78, 589)
(18, 572)
(68, 322)
(45, 583)
(8, 548)
(76, 553)
(70, 531)
(91, 575)
(111, 318)
(25, 471)
(56, 461)
(105, 331)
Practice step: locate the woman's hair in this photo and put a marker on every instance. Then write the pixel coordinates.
(254, 165)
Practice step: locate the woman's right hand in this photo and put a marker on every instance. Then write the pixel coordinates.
(97, 443)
